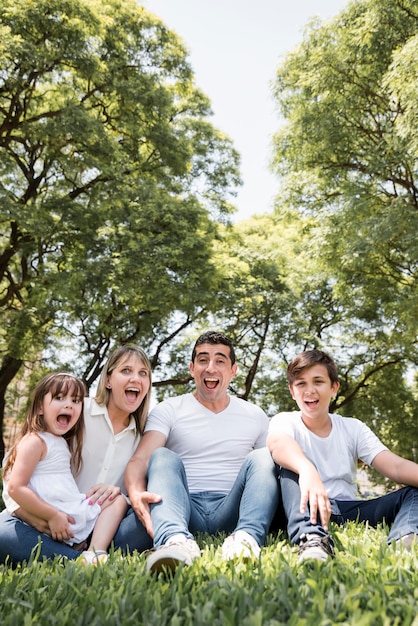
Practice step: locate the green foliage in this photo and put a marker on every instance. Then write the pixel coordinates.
(112, 181)
(367, 584)
(347, 161)
(345, 154)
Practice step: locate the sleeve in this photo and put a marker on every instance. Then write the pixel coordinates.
(282, 423)
(368, 444)
(262, 438)
(161, 418)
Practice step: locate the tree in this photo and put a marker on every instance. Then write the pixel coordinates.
(112, 180)
(346, 154)
(335, 266)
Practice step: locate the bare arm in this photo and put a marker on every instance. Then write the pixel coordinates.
(287, 453)
(136, 477)
(39, 523)
(396, 468)
(29, 452)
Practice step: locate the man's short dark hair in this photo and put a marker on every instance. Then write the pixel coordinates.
(213, 337)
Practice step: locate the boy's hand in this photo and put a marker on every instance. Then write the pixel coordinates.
(313, 492)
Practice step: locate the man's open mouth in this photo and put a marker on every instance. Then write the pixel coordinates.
(211, 383)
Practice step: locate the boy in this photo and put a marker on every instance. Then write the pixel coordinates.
(318, 454)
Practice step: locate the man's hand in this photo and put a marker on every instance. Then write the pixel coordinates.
(101, 492)
(140, 502)
(313, 491)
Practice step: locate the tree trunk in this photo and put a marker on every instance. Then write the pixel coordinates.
(9, 368)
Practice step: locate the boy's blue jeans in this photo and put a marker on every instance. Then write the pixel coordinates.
(17, 539)
(398, 509)
(249, 506)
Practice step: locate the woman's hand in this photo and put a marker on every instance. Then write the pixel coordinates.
(102, 492)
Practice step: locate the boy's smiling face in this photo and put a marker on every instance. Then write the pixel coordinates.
(312, 391)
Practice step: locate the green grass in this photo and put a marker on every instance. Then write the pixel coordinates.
(368, 583)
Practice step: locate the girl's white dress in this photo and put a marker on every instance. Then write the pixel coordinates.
(53, 481)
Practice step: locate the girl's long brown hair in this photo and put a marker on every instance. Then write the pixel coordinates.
(55, 384)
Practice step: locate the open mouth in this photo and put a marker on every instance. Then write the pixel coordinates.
(132, 394)
(63, 419)
(211, 383)
(311, 403)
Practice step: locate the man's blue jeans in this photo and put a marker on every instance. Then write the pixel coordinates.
(18, 540)
(249, 506)
(398, 509)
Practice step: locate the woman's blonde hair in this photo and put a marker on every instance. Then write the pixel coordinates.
(118, 356)
(56, 384)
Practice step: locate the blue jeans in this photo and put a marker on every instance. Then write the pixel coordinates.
(18, 540)
(398, 509)
(250, 505)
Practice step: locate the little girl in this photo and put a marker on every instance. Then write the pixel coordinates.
(37, 471)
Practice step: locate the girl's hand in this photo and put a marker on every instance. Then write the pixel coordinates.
(59, 525)
(102, 492)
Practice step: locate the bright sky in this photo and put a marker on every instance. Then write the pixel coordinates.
(235, 47)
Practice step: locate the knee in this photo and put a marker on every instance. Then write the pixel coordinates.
(164, 460)
(286, 474)
(409, 492)
(261, 458)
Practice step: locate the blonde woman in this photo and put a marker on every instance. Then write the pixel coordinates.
(114, 422)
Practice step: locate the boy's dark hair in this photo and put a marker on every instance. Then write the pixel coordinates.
(307, 359)
(213, 337)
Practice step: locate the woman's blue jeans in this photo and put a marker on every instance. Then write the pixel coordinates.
(250, 505)
(18, 540)
(398, 509)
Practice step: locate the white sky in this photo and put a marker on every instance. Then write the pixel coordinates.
(235, 47)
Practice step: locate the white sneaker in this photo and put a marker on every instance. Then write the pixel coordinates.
(177, 551)
(240, 545)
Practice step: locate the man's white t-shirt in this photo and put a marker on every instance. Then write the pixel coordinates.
(335, 456)
(212, 446)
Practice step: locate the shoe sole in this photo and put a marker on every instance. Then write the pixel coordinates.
(164, 564)
(167, 562)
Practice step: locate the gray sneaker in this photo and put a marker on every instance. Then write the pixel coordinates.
(172, 554)
(315, 547)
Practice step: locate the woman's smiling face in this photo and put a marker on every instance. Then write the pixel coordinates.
(128, 383)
